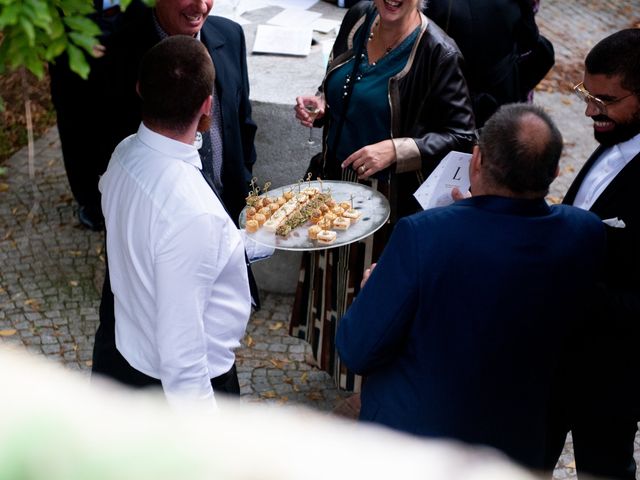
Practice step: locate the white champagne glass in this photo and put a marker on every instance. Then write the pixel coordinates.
(312, 110)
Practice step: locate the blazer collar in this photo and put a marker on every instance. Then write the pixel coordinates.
(570, 196)
(627, 176)
(509, 206)
(210, 36)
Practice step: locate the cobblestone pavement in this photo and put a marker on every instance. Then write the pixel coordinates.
(51, 267)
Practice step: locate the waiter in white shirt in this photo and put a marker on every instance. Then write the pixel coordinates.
(601, 405)
(176, 259)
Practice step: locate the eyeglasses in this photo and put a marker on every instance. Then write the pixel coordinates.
(599, 103)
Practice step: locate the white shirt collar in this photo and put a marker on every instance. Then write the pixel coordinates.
(169, 147)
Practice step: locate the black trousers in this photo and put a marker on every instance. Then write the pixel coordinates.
(108, 361)
(603, 442)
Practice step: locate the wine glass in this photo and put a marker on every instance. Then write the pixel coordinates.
(312, 110)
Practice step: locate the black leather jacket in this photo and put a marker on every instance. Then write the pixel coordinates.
(430, 105)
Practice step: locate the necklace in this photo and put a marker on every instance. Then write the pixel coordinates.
(387, 48)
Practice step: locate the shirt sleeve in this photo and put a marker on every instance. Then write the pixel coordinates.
(188, 262)
(377, 322)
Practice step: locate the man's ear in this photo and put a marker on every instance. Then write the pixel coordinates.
(476, 160)
(205, 108)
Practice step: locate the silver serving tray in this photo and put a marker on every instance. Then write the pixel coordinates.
(372, 205)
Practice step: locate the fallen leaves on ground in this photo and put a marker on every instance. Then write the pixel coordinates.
(316, 396)
(269, 394)
(248, 341)
(8, 332)
(13, 132)
(276, 326)
(4, 187)
(279, 364)
(33, 303)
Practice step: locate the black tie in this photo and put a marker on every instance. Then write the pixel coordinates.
(253, 287)
(205, 158)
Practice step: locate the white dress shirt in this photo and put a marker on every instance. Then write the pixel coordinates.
(177, 266)
(611, 162)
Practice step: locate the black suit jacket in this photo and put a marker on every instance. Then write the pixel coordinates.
(491, 34)
(225, 42)
(607, 357)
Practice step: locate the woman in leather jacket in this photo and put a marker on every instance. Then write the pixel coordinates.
(393, 103)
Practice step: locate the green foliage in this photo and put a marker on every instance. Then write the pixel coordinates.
(34, 32)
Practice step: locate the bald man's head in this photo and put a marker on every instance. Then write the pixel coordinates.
(521, 147)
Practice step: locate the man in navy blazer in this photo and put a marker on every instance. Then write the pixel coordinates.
(602, 406)
(143, 27)
(459, 328)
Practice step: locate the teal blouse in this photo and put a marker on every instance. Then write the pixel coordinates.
(368, 119)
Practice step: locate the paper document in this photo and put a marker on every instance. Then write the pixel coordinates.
(294, 17)
(283, 41)
(231, 9)
(324, 25)
(452, 171)
(303, 4)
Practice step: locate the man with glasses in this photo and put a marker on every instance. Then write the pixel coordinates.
(601, 406)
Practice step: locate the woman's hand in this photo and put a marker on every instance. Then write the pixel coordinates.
(371, 159)
(305, 116)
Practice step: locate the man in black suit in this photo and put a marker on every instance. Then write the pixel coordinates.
(228, 151)
(84, 151)
(493, 35)
(143, 27)
(601, 406)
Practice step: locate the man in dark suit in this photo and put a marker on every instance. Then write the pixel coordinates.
(233, 142)
(84, 151)
(493, 35)
(459, 328)
(601, 405)
(228, 151)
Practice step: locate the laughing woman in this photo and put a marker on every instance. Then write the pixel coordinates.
(392, 104)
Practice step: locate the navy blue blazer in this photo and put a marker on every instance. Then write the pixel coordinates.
(460, 326)
(225, 42)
